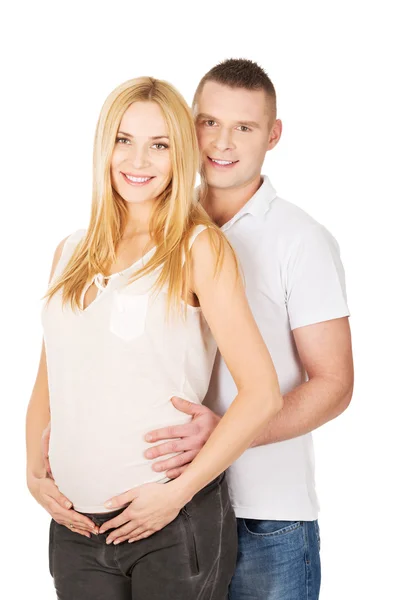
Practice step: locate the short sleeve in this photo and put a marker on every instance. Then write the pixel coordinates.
(68, 249)
(196, 231)
(315, 279)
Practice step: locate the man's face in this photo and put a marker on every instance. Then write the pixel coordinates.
(233, 128)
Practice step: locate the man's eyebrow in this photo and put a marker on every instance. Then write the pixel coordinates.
(154, 137)
(252, 124)
(205, 116)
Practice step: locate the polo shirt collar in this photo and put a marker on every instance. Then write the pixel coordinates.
(258, 205)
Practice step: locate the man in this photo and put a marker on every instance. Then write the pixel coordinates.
(295, 286)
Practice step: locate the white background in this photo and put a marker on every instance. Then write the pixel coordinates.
(334, 67)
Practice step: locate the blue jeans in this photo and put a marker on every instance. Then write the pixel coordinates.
(277, 560)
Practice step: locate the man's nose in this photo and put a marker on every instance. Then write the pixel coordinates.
(223, 141)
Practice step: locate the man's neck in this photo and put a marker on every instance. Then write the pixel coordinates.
(222, 204)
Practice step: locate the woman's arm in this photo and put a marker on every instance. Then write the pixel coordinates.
(43, 488)
(38, 414)
(37, 419)
(225, 307)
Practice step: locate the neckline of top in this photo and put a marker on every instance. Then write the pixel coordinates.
(101, 288)
(141, 259)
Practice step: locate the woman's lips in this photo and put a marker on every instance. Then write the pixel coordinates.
(137, 180)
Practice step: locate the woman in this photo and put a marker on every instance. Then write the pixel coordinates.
(134, 306)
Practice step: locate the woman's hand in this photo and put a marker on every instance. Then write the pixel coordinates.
(153, 506)
(47, 494)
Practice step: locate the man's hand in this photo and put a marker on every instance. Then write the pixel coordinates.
(45, 449)
(188, 439)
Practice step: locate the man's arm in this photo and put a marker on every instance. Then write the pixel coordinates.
(317, 310)
(325, 352)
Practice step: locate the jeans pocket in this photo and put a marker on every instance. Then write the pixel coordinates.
(190, 542)
(128, 314)
(266, 528)
(51, 544)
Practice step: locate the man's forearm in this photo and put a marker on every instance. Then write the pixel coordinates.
(306, 408)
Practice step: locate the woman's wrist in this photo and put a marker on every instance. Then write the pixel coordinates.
(33, 474)
(182, 489)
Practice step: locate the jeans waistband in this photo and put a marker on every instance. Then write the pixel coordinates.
(100, 518)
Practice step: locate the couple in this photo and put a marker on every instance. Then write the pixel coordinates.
(136, 308)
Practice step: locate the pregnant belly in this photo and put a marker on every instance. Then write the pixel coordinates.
(88, 490)
(91, 466)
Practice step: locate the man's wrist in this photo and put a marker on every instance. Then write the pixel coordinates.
(259, 441)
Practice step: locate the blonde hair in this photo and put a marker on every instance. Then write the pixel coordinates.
(176, 210)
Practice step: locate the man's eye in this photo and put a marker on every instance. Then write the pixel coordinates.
(122, 140)
(210, 123)
(243, 128)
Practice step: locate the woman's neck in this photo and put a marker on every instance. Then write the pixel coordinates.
(138, 220)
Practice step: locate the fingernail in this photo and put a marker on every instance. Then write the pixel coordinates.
(149, 437)
(67, 504)
(157, 468)
(116, 542)
(108, 542)
(108, 504)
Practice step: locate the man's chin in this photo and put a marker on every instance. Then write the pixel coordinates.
(219, 181)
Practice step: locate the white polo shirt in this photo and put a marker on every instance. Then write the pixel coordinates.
(294, 277)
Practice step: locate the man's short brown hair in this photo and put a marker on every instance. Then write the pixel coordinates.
(240, 73)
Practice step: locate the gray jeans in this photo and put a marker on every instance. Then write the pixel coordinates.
(192, 558)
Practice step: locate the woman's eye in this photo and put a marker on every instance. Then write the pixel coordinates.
(122, 140)
(160, 146)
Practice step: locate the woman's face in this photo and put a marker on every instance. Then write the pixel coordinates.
(141, 162)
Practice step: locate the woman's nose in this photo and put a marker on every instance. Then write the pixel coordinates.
(140, 158)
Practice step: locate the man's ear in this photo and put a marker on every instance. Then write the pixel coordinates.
(275, 134)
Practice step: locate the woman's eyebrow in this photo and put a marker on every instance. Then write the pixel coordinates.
(154, 137)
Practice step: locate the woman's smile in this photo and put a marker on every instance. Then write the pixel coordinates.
(137, 180)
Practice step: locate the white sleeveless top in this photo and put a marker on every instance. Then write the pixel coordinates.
(112, 370)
